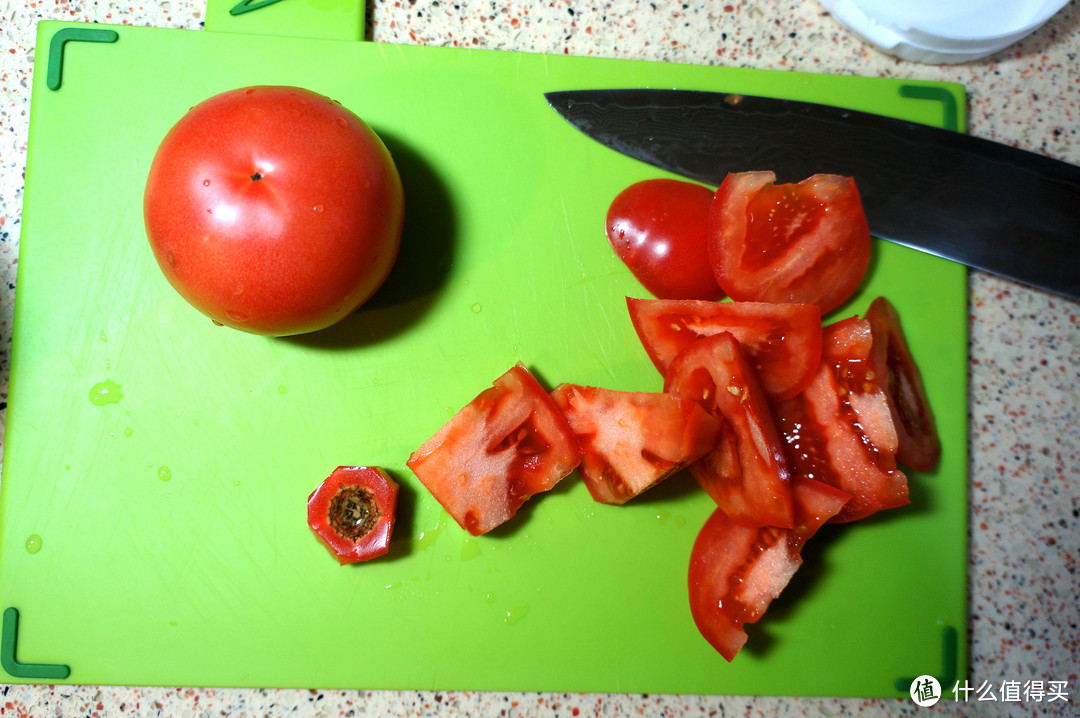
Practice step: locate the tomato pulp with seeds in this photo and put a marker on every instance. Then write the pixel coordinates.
(659, 229)
(747, 474)
(736, 570)
(839, 430)
(352, 512)
(807, 242)
(783, 341)
(631, 441)
(506, 445)
(918, 444)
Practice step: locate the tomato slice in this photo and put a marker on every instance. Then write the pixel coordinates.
(659, 229)
(807, 242)
(919, 446)
(783, 340)
(754, 490)
(736, 570)
(839, 430)
(631, 441)
(506, 445)
(352, 512)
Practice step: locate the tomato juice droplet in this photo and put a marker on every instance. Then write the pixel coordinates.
(105, 392)
(477, 308)
(33, 543)
(515, 614)
(164, 473)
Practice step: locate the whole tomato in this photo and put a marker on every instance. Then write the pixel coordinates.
(274, 210)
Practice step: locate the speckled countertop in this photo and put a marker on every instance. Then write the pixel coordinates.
(1024, 344)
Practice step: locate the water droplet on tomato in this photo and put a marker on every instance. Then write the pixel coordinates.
(343, 122)
(236, 316)
(317, 209)
(206, 183)
(105, 392)
(33, 544)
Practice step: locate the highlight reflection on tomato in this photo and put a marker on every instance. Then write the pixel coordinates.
(273, 210)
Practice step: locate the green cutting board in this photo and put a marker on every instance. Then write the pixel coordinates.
(156, 466)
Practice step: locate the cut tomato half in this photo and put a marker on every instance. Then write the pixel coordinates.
(506, 445)
(839, 430)
(754, 490)
(352, 512)
(631, 441)
(782, 340)
(736, 571)
(919, 446)
(807, 242)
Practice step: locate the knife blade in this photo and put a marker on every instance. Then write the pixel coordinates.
(981, 203)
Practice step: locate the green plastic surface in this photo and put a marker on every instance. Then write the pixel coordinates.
(161, 464)
(323, 19)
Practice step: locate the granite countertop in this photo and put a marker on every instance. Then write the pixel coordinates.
(1024, 527)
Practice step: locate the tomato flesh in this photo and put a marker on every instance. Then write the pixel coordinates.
(747, 474)
(737, 570)
(803, 243)
(352, 512)
(782, 340)
(506, 445)
(839, 430)
(658, 228)
(918, 444)
(631, 441)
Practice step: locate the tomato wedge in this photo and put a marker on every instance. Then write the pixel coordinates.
(631, 441)
(506, 445)
(919, 446)
(783, 340)
(352, 512)
(659, 229)
(839, 430)
(807, 242)
(736, 570)
(754, 490)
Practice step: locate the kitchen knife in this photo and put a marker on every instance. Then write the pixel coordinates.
(982, 203)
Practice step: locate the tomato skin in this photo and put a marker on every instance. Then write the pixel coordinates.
(747, 474)
(736, 571)
(783, 340)
(506, 445)
(658, 228)
(805, 243)
(839, 430)
(379, 496)
(273, 210)
(631, 441)
(918, 443)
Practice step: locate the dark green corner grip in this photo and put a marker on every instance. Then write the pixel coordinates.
(951, 117)
(248, 5)
(948, 676)
(64, 36)
(43, 671)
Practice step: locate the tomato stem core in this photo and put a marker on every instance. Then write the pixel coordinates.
(257, 176)
(353, 512)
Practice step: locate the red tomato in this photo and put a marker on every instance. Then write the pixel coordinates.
(756, 489)
(919, 447)
(631, 441)
(273, 210)
(804, 243)
(840, 430)
(783, 340)
(736, 571)
(352, 512)
(658, 228)
(504, 446)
